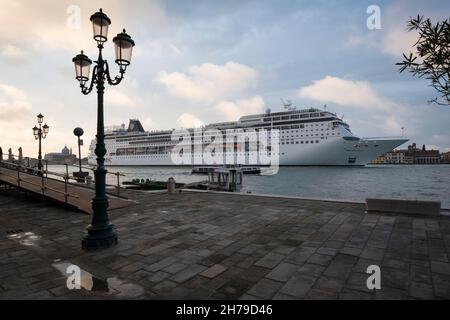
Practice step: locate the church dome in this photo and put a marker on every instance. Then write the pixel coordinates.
(65, 151)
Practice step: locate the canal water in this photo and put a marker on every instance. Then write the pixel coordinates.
(421, 182)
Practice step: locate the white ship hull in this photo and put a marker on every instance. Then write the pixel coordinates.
(333, 152)
(309, 137)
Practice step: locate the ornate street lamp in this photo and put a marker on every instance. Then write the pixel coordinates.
(40, 133)
(101, 232)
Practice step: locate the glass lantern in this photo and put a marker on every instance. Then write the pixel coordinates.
(82, 67)
(100, 25)
(124, 49)
(46, 129)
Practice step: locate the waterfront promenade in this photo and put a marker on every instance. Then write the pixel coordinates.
(223, 246)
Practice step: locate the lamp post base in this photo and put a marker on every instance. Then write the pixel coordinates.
(98, 239)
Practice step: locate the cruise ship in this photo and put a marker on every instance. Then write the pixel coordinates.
(309, 137)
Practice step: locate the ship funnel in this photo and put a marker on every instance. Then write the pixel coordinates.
(135, 126)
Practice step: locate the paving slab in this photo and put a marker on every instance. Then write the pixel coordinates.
(224, 246)
(214, 271)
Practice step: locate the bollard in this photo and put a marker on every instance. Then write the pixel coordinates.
(171, 185)
(88, 181)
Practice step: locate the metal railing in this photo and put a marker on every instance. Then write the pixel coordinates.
(92, 168)
(27, 171)
(64, 177)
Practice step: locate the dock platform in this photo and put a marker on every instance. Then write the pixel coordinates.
(193, 245)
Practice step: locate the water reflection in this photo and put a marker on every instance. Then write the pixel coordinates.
(93, 283)
(87, 280)
(25, 238)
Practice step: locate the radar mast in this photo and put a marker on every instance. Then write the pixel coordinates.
(288, 105)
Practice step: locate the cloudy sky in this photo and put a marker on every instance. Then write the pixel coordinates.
(204, 61)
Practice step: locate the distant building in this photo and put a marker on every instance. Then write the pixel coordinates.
(65, 156)
(445, 157)
(380, 160)
(423, 156)
(412, 155)
(395, 157)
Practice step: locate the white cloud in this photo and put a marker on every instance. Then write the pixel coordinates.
(18, 117)
(367, 40)
(118, 98)
(12, 52)
(234, 110)
(380, 125)
(357, 94)
(391, 126)
(15, 114)
(398, 41)
(209, 82)
(157, 49)
(14, 104)
(433, 147)
(394, 42)
(45, 25)
(126, 95)
(147, 123)
(187, 120)
(440, 140)
(394, 39)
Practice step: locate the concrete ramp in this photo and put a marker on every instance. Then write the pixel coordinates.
(56, 190)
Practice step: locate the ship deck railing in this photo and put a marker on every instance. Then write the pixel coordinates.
(383, 138)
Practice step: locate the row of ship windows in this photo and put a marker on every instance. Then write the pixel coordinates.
(282, 142)
(137, 156)
(296, 116)
(301, 142)
(168, 138)
(312, 135)
(292, 137)
(195, 155)
(120, 153)
(317, 130)
(287, 142)
(171, 143)
(133, 152)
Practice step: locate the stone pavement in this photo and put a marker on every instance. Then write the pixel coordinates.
(223, 246)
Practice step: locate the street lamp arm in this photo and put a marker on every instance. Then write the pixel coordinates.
(85, 90)
(118, 79)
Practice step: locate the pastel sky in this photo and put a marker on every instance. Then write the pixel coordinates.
(197, 62)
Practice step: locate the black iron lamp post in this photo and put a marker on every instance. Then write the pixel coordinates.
(40, 133)
(80, 175)
(101, 232)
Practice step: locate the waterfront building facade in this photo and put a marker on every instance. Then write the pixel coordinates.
(396, 157)
(412, 155)
(65, 156)
(445, 157)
